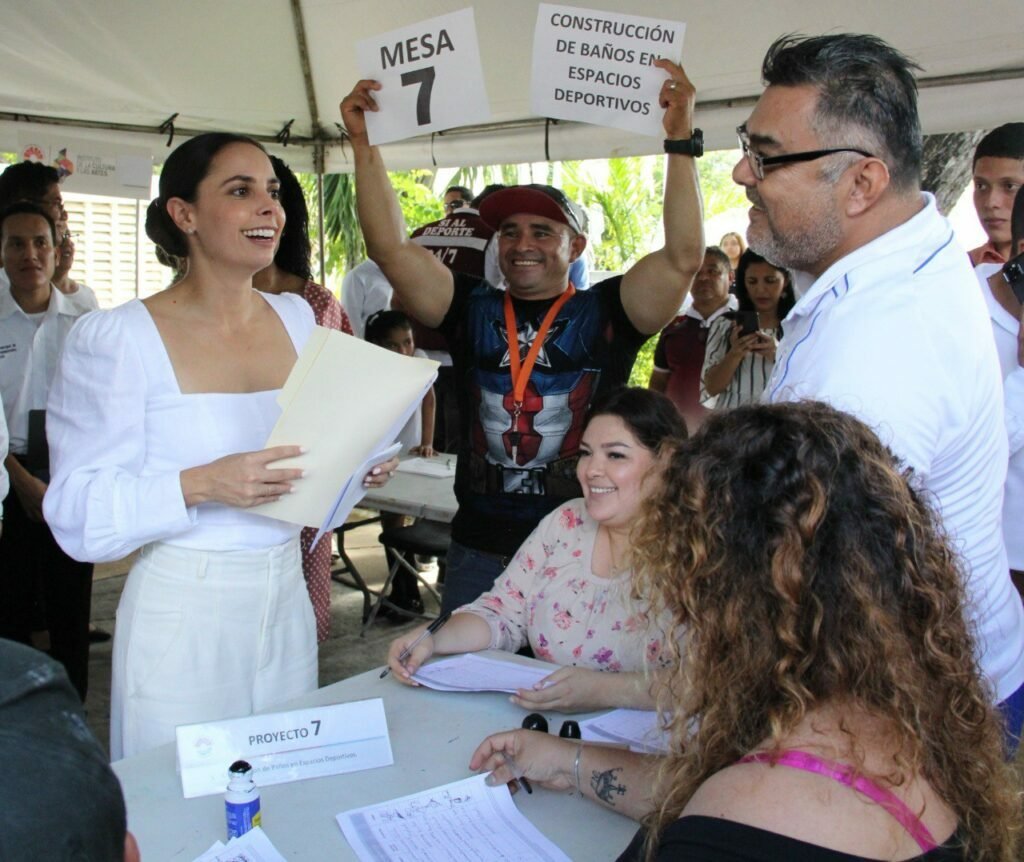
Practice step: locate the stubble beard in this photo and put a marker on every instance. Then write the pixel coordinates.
(803, 247)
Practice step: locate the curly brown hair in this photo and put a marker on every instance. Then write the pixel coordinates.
(804, 570)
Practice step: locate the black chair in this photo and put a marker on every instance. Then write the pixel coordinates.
(426, 538)
(347, 567)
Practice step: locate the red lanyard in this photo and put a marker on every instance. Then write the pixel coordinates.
(521, 370)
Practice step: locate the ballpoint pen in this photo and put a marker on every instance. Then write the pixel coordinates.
(517, 772)
(429, 630)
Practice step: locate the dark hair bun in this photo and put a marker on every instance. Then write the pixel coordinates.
(163, 231)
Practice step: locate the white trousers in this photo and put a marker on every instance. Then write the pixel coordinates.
(207, 635)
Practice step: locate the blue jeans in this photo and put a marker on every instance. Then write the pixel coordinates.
(468, 574)
(1012, 710)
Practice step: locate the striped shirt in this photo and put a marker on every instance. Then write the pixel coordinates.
(751, 375)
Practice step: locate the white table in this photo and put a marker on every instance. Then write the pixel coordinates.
(432, 734)
(413, 494)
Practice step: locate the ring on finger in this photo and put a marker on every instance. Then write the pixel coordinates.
(673, 84)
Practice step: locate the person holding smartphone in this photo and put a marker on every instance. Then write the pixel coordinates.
(741, 346)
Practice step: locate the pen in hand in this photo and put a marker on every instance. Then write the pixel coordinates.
(517, 772)
(429, 630)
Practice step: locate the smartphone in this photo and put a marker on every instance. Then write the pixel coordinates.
(749, 324)
(1013, 275)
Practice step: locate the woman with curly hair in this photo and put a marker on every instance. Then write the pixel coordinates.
(826, 703)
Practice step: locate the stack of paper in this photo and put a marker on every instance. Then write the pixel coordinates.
(462, 820)
(640, 729)
(474, 673)
(440, 467)
(345, 402)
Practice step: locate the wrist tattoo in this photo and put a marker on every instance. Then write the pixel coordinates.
(605, 787)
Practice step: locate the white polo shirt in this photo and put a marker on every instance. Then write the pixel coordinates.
(30, 346)
(5, 482)
(84, 297)
(897, 334)
(1004, 331)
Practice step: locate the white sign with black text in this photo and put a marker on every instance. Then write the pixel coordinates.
(284, 746)
(597, 67)
(431, 78)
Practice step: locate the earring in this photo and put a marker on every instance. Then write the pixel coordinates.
(191, 231)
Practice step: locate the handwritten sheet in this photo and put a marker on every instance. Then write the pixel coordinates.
(462, 820)
(474, 673)
(254, 846)
(637, 728)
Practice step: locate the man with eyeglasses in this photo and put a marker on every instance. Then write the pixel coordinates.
(890, 324)
(530, 360)
(39, 184)
(457, 198)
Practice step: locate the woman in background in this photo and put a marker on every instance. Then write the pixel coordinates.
(291, 272)
(737, 365)
(734, 246)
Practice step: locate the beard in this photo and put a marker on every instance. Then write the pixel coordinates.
(811, 237)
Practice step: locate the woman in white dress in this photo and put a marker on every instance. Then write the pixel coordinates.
(156, 421)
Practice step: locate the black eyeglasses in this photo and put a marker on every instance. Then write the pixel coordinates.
(456, 204)
(758, 162)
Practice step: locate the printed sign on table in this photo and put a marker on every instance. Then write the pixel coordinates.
(284, 746)
(597, 67)
(431, 78)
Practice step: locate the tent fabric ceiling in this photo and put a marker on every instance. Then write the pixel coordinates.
(121, 65)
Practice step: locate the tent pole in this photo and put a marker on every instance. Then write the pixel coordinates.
(318, 166)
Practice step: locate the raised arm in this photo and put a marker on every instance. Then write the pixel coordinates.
(423, 284)
(654, 288)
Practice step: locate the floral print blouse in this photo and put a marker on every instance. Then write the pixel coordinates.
(548, 596)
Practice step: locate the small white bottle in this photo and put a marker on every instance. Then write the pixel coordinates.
(242, 800)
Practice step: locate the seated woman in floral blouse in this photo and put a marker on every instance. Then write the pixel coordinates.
(569, 591)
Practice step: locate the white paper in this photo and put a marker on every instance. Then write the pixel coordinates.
(353, 492)
(441, 467)
(253, 846)
(475, 673)
(345, 401)
(430, 75)
(284, 746)
(597, 67)
(462, 820)
(640, 729)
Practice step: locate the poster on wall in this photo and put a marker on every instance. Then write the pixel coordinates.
(91, 167)
(598, 67)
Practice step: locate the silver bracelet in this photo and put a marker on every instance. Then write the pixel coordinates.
(576, 768)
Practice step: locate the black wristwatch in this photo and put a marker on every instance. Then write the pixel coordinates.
(691, 146)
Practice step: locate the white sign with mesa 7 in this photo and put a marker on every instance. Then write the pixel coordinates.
(285, 746)
(597, 67)
(430, 75)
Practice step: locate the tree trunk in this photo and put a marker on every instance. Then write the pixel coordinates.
(947, 164)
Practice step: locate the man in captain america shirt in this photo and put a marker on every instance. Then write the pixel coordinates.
(529, 360)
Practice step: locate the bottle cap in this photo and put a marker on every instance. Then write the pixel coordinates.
(535, 721)
(239, 767)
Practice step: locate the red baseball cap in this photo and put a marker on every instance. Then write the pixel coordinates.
(534, 199)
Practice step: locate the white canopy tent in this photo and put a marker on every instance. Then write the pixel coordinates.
(118, 69)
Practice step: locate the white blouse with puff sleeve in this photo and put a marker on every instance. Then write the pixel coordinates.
(121, 431)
